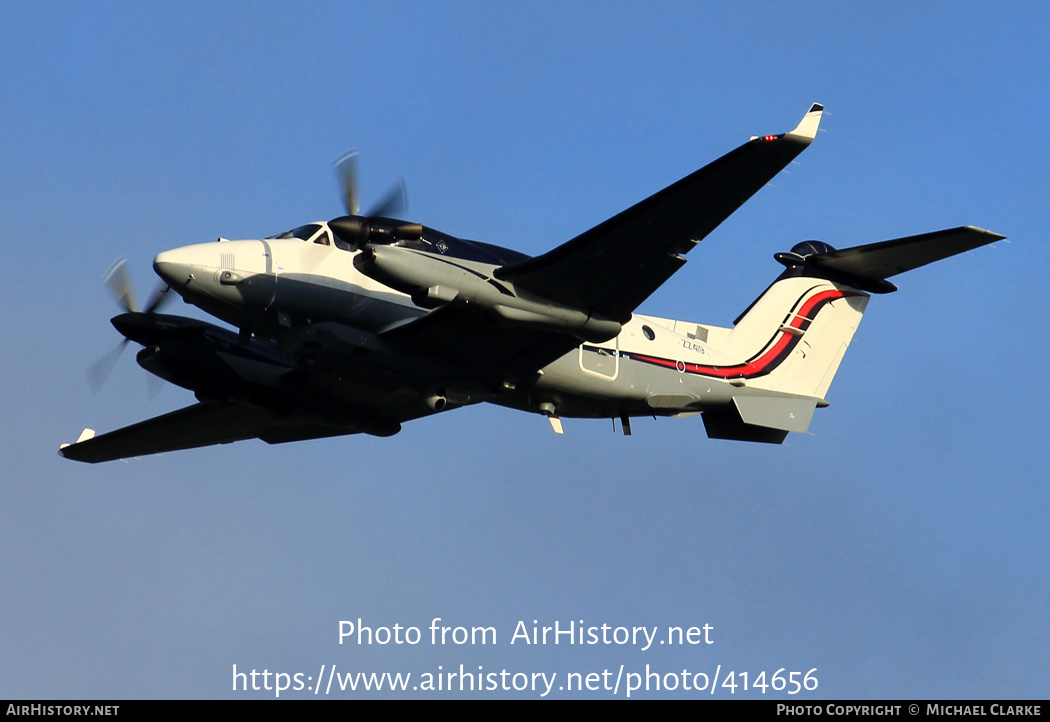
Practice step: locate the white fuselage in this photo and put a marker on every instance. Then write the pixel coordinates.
(654, 366)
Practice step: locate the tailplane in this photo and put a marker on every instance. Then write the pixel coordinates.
(794, 335)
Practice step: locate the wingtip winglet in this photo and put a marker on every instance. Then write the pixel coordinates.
(85, 435)
(807, 128)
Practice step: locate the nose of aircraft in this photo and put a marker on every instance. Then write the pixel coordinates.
(179, 265)
(227, 279)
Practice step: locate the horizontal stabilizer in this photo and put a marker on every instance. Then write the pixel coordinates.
(724, 423)
(789, 413)
(878, 261)
(765, 419)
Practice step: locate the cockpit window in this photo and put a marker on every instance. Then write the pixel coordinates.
(385, 231)
(302, 232)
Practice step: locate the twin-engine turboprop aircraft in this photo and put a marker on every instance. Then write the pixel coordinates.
(364, 322)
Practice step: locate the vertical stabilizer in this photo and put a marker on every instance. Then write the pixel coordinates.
(791, 340)
(796, 333)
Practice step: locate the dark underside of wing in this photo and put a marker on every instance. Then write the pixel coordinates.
(610, 269)
(483, 347)
(888, 258)
(192, 427)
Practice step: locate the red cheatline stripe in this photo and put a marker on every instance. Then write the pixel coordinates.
(766, 362)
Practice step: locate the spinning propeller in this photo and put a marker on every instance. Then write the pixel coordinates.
(394, 203)
(358, 230)
(118, 281)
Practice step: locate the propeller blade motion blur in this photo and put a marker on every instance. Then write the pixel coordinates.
(346, 169)
(118, 281)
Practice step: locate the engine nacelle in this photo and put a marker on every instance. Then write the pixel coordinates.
(357, 231)
(432, 281)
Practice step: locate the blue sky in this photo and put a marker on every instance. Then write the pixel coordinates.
(900, 548)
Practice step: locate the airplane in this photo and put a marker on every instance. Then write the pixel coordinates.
(362, 323)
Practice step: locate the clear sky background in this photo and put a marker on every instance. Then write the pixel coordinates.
(901, 548)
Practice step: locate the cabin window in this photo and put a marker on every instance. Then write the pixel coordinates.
(648, 333)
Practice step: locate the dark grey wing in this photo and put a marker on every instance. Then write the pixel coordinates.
(192, 427)
(480, 346)
(881, 260)
(610, 269)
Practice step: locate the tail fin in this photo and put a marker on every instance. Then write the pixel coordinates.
(795, 334)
